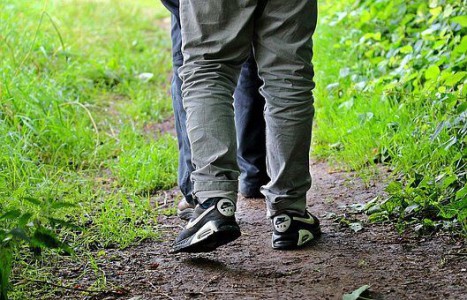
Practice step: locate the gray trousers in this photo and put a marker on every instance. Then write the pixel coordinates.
(217, 38)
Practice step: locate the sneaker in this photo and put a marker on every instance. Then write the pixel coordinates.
(293, 231)
(185, 209)
(209, 228)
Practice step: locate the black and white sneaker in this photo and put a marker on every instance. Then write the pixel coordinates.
(293, 231)
(209, 227)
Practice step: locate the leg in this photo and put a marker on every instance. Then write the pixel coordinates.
(216, 38)
(185, 167)
(249, 105)
(251, 131)
(283, 49)
(216, 43)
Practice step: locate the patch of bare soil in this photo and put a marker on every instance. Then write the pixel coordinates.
(396, 267)
(157, 129)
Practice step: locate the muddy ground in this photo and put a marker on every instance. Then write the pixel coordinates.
(395, 266)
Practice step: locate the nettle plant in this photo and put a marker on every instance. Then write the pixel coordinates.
(35, 228)
(416, 46)
(413, 53)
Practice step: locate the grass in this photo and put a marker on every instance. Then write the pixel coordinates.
(383, 98)
(341, 133)
(81, 81)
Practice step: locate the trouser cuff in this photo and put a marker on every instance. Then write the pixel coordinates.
(286, 206)
(203, 190)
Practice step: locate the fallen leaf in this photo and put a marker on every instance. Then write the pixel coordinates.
(355, 294)
(356, 226)
(145, 77)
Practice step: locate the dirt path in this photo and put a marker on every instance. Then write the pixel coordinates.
(396, 267)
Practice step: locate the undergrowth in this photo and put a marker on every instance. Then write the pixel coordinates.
(396, 95)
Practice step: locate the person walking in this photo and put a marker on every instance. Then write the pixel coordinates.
(218, 37)
(249, 121)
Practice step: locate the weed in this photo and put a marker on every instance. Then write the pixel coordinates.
(73, 108)
(396, 95)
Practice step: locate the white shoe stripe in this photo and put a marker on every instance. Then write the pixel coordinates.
(194, 222)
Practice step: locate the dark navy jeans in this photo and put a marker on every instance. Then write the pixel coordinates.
(249, 121)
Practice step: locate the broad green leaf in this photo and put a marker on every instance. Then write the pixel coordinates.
(58, 205)
(447, 11)
(455, 79)
(462, 47)
(365, 16)
(442, 89)
(378, 216)
(439, 45)
(462, 193)
(461, 20)
(32, 200)
(432, 72)
(24, 219)
(436, 11)
(428, 223)
(448, 181)
(374, 36)
(11, 215)
(46, 238)
(406, 49)
(461, 108)
(394, 187)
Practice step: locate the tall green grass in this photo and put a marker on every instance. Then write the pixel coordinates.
(79, 83)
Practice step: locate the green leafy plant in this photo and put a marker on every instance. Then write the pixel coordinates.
(400, 100)
(36, 228)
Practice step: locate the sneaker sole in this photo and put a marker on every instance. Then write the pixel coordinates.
(208, 238)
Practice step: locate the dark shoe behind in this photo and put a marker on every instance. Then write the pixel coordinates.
(185, 209)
